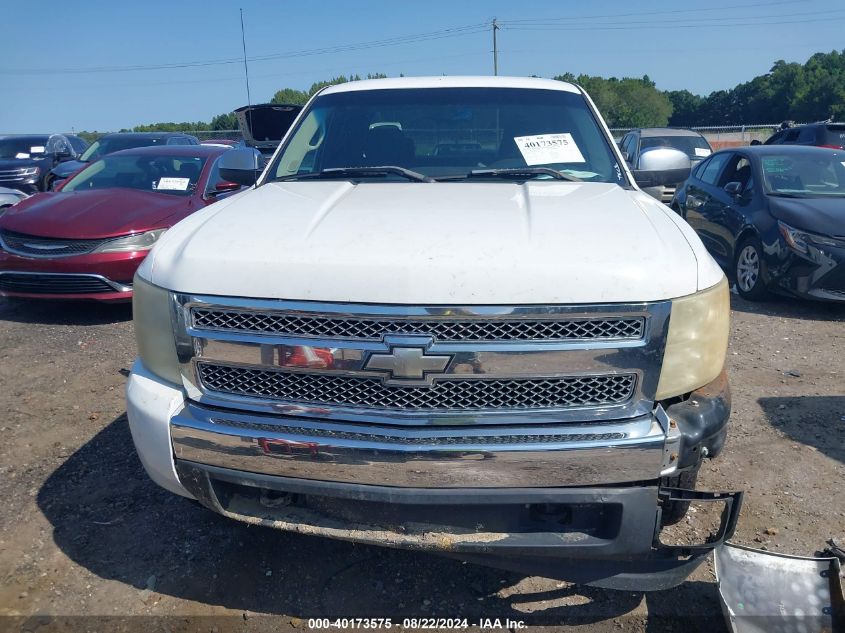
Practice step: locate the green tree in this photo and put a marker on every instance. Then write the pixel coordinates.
(627, 102)
(300, 97)
(685, 107)
(290, 95)
(225, 121)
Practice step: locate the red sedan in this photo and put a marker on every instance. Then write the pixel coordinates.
(86, 240)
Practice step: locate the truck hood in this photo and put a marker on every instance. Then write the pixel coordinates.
(431, 243)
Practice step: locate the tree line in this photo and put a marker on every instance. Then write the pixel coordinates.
(812, 91)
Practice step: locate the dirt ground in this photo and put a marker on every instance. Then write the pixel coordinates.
(84, 532)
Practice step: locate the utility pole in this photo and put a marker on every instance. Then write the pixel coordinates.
(495, 49)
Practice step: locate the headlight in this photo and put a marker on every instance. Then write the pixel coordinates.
(697, 341)
(154, 329)
(798, 240)
(131, 243)
(30, 171)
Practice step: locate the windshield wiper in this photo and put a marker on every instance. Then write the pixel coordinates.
(787, 194)
(521, 173)
(360, 172)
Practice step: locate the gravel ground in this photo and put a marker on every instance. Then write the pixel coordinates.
(85, 533)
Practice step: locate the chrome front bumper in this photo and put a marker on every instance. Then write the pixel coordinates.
(501, 456)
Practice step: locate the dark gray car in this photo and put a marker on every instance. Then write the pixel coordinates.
(824, 134)
(115, 142)
(26, 159)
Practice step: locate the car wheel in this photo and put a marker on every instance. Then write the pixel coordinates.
(674, 511)
(48, 183)
(750, 270)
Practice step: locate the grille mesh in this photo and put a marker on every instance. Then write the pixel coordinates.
(443, 329)
(36, 246)
(442, 395)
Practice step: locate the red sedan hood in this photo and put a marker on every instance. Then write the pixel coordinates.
(94, 214)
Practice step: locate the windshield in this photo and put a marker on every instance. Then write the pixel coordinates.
(811, 175)
(696, 147)
(448, 133)
(23, 148)
(173, 175)
(115, 144)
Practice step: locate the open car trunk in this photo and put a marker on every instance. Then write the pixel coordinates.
(264, 125)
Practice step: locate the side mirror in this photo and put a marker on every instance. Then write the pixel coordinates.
(659, 166)
(224, 187)
(733, 188)
(755, 142)
(241, 166)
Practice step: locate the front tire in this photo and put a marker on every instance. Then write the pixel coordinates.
(750, 270)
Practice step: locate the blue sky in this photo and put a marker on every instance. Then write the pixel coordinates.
(67, 65)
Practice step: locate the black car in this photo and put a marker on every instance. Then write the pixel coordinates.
(109, 143)
(26, 159)
(831, 135)
(773, 216)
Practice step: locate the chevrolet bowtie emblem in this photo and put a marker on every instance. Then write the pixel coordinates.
(407, 363)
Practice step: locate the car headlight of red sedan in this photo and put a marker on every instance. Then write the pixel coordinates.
(131, 243)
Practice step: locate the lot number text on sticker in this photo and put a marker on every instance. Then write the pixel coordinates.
(542, 149)
(174, 184)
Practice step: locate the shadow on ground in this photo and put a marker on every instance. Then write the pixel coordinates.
(108, 517)
(63, 312)
(817, 421)
(790, 308)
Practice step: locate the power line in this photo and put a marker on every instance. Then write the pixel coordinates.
(663, 23)
(674, 26)
(643, 13)
(469, 29)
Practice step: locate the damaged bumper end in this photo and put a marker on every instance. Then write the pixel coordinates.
(763, 591)
(603, 536)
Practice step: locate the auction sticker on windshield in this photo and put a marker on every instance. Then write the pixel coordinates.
(542, 149)
(174, 184)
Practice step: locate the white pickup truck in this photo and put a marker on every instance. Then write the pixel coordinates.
(444, 318)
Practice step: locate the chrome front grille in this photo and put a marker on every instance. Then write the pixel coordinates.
(454, 394)
(442, 329)
(421, 365)
(36, 246)
(12, 174)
